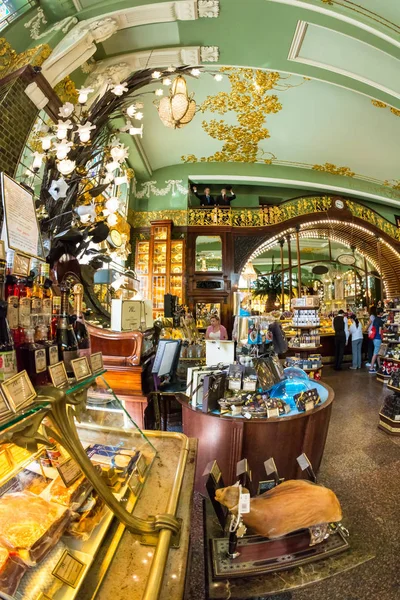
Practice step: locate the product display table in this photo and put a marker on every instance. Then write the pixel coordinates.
(133, 563)
(229, 439)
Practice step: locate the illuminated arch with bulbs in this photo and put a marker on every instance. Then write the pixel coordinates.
(375, 248)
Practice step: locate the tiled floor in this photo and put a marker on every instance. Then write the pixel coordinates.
(362, 465)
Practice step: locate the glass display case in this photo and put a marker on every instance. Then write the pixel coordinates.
(159, 266)
(69, 464)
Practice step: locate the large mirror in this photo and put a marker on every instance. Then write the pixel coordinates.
(208, 253)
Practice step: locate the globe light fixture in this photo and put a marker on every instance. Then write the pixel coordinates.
(178, 109)
(112, 204)
(159, 92)
(156, 74)
(195, 72)
(112, 220)
(62, 129)
(66, 110)
(167, 81)
(136, 130)
(66, 166)
(62, 149)
(218, 77)
(119, 89)
(119, 153)
(37, 160)
(131, 111)
(84, 94)
(139, 116)
(84, 131)
(46, 141)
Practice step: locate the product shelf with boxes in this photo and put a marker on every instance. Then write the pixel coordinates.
(73, 467)
(160, 266)
(389, 415)
(306, 320)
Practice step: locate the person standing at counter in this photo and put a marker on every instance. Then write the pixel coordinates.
(340, 327)
(356, 332)
(377, 325)
(216, 331)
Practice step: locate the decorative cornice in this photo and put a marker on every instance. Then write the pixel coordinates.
(208, 8)
(149, 188)
(209, 53)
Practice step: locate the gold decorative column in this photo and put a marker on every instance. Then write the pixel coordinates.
(290, 268)
(298, 261)
(366, 282)
(281, 243)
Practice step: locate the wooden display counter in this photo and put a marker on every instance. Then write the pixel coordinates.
(229, 439)
(127, 356)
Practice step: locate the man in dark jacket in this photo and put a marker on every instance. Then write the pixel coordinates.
(340, 327)
(225, 199)
(206, 199)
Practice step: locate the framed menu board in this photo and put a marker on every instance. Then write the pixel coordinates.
(20, 225)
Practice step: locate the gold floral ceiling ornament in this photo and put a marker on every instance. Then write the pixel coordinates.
(11, 61)
(334, 170)
(250, 99)
(393, 110)
(177, 109)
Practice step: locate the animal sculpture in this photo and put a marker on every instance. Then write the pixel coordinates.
(292, 505)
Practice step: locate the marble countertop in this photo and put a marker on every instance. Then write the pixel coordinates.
(128, 572)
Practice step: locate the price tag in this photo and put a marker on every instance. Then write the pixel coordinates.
(21, 265)
(397, 417)
(309, 405)
(19, 391)
(69, 569)
(244, 503)
(69, 472)
(134, 484)
(247, 415)
(80, 367)
(141, 465)
(96, 362)
(58, 375)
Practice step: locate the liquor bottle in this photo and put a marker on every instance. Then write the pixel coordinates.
(66, 340)
(33, 358)
(42, 338)
(8, 359)
(46, 292)
(80, 329)
(56, 310)
(36, 307)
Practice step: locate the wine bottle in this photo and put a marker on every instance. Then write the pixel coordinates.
(51, 348)
(80, 329)
(66, 340)
(46, 292)
(33, 358)
(36, 307)
(56, 314)
(8, 359)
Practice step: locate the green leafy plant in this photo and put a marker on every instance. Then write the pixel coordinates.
(269, 286)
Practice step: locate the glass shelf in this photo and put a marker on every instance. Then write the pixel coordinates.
(18, 417)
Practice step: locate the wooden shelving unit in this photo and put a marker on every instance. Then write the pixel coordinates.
(159, 265)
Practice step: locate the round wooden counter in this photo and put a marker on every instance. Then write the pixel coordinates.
(229, 439)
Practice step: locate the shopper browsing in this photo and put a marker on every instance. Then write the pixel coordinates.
(216, 331)
(340, 327)
(370, 352)
(376, 328)
(355, 330)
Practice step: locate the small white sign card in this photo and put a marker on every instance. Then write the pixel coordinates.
(19, 391)
(58, 374)
(96, 362)
(80, 367)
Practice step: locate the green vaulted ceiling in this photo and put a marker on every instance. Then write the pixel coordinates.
(341, 59)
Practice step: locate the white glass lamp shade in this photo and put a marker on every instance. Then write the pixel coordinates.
(139, 116)
(167, 81)
(218, 77)
(46, 141)
(195, 72)
(84, 131)
(131, 111)
(136, 130)
(66, 110)
(112, 204)
(86, 210)
(119, 89)
(119, 153)
(156, 74)
(178, 109)
(112, 166)
(112, 220)
(62, 148)
(159, 92)
(37, 160)
(62, 129)
(66, 166)
(84, 94)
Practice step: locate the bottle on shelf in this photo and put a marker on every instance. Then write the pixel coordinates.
(79, 326)
(33, 358)
(46, 292)
(8, 359)
(66, 340)
(51, 348)
(37, 295)
(56, 311)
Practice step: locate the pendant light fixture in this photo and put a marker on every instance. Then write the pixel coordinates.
(178, 109)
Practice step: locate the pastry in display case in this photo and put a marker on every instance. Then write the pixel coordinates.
(54, 512)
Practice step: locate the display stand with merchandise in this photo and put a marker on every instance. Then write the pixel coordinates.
(307, 341)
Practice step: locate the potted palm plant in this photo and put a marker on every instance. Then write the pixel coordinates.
(269, 286)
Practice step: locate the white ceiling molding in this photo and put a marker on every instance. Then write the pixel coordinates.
(293, 183)
(208, 8)
(209, 54)
(120, 67)
(162, 12)
(302, 33)
(78, 5)
(340, 17)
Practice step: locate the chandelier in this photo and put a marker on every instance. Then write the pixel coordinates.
(178, 109)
